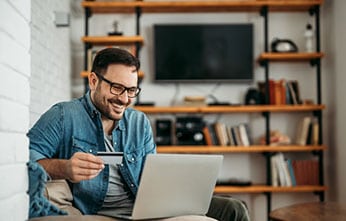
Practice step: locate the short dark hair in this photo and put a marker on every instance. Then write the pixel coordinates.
(108, 56)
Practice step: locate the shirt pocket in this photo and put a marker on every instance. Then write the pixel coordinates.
(82, 145)
(135, 155)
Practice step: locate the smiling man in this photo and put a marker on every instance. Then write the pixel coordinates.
(66, 139)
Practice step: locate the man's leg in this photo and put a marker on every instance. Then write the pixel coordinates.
(228, 209)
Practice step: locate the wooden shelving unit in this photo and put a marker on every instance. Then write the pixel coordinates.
(267, 189)
(264, 7)
(238, 149)
(229, 109)
(86, 73)
(112, 40)
(200, 6)
(290, 56)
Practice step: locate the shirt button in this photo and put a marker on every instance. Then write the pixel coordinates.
(90, 151)
(121, 165)
(133, 159)
(132, 185)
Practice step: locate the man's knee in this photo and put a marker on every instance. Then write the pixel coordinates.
(228, 209)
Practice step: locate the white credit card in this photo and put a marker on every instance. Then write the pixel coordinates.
(111, 157)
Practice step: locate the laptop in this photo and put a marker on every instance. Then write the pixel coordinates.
(175, 185)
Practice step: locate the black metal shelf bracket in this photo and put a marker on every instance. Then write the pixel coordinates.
(313, 10)
(315, 61)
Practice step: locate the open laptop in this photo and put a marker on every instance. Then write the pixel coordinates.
(175, 185)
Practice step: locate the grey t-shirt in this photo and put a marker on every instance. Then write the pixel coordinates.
(118, 198)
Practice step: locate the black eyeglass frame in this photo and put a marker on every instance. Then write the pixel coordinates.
(111, 84)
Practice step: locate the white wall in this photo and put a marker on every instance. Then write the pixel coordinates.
(335, 70)
(340, 109)
(51, 57)
(14, 108)
(35, 69)
(35, 73)
(282, 25)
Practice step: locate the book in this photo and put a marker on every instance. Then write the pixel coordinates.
(237, 136)
(303, 130)
(315, 140)
(211, 129)
(280, 92)
(243, 132)
(230, 136)
(271, 91)
(274, 171)
(280, 170)
(309, 135)
(292, 93)
(207, 136)
(234, 136)
(295, 86)
(285, 171)
(221, 133)
(289, 99)
(291, 172)
(306, 172)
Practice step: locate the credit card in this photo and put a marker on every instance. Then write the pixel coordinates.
(111, 157)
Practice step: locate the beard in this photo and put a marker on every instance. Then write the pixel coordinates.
(110, 108)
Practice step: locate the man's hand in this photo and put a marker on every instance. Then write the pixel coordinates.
(81, 166)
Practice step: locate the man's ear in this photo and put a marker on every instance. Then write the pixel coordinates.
(93, 79)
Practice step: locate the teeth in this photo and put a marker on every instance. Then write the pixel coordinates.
(117, 106)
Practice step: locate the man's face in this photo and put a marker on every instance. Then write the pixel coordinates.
(112, 106)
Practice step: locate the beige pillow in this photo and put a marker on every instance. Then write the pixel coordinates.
(59, 194)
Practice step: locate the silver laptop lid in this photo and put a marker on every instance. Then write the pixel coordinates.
(176, 184)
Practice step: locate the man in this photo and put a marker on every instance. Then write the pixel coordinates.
(67, 137)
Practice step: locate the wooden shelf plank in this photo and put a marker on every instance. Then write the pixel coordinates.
(112, 40)
(199, 6)
(85, 74)
(289, 56)
(264, 188)
(237, 149)
(228, 109)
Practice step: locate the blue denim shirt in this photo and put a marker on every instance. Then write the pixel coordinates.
(74, 126)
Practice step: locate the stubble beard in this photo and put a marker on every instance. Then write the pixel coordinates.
(105, 106)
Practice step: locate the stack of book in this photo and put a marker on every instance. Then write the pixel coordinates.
(286, 172)
(308, 131)
(220, 134)
(282, 91)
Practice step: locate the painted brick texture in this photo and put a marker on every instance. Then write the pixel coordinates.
(14, 108)
(35, 73)
(51, 60)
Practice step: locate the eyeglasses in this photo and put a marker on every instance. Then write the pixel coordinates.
(118, 89)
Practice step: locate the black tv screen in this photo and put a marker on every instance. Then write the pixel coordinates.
(203, 53)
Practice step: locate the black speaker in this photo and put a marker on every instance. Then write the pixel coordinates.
(189, 131)
(163, 132)
(253, 97)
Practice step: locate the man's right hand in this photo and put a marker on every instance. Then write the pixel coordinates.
(81, 166)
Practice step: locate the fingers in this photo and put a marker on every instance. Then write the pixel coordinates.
(87, 161)
(84, 166)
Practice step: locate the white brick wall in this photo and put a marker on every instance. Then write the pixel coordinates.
(14, 108)
(51, 60)
(35, 73)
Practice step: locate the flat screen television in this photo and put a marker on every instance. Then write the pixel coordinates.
(203, 53)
